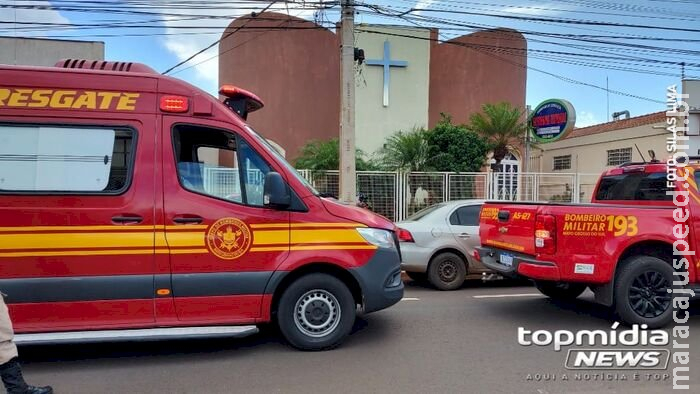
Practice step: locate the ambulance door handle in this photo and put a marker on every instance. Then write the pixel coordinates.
(188, 220)
(127, 219)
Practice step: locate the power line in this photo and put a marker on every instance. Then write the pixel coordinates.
(235, 47)
(560, 77)
(227, 35)
(554, 20)
(534, 9)
(555, 56)
(451, 22)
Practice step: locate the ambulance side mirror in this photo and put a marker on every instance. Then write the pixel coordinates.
(276, 193)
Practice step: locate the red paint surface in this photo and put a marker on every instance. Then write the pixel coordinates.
(92, 315)
(236, 308)
(538, 271)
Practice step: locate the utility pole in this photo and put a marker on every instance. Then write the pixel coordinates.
(348, 178)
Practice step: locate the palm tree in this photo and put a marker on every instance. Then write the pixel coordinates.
(325, 155)
(500, 124)
(405, 151)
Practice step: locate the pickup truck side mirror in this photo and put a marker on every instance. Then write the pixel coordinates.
(276, 193)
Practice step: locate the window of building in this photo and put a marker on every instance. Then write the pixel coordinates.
(215, 163)
(619, 156)
(561, 163)
(63, 159)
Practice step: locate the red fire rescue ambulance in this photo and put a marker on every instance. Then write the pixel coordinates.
(134, 205)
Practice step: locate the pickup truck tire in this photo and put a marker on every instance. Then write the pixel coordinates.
(560, 290)
(316, 312)
(640, 293)
(417, 276)
(447, 271)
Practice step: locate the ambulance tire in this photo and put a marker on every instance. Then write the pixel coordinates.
(641, 291)
(316, 312)
(563, 291)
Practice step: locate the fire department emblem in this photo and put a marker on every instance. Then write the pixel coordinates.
(228, 238)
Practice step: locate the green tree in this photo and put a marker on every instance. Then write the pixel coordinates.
(455, 148)
(500, 124)
(405, 151)
(325, 155)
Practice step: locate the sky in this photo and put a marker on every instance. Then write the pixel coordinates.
(588, 45)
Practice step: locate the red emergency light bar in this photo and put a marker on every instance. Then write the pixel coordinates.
(240, 100)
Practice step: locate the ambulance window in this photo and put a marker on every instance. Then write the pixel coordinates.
(217, 164)
(219, 172)
(254, 171)
(61, 159)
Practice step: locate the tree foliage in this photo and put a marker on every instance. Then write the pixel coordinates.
(405, 151)
(500, 124)
(325, 155)
(455, 148)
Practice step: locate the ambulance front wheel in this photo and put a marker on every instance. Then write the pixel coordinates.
(316, 312)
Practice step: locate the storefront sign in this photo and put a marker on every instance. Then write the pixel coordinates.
(552, 120)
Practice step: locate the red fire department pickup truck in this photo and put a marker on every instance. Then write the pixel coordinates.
(134, 205)
(620, 246)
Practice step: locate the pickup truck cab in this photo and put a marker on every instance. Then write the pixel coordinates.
(135, 205)
(620, 245)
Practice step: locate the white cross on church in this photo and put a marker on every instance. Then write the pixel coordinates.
(387, 63)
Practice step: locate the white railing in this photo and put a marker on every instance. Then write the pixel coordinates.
(398, 195)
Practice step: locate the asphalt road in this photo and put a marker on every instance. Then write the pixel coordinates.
(431, 342)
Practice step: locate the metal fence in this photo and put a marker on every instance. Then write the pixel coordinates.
(398, 195)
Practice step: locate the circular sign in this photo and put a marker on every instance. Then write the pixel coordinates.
(228, 238)
(552, 120)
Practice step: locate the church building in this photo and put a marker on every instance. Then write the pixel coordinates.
(408, 78)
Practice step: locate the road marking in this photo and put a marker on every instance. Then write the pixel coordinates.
(410, 299)
(507, 295)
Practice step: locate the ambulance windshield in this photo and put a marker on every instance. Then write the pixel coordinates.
(282, 160)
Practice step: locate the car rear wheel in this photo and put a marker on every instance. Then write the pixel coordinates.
(316, 312)
(447, 271)
(560, 290)
(642, 292)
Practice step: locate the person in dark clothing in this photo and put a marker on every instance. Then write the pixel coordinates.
(10, 370)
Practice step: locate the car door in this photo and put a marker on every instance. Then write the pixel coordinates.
(464, 226)
(77, 223)
(223, 244)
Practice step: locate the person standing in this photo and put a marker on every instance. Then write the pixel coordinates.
(10, 370)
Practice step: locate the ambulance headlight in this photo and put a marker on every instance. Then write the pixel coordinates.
(377, 237)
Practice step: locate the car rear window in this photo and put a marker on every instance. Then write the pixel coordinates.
(634, 186)
(424, 212)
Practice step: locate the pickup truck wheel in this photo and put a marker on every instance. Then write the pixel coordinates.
(641, 292)
(560, 290)
(417, 276)
(316, 312)
(447, 271)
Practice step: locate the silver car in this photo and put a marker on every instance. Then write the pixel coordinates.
(437, 243)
